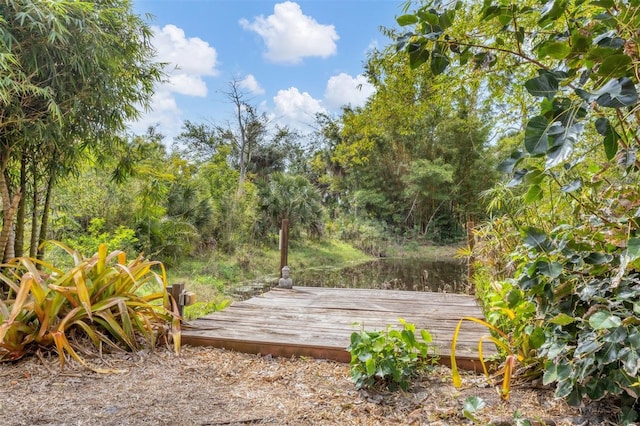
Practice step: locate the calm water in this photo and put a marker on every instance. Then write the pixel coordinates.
(391, 274)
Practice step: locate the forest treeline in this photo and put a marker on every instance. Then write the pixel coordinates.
(410, 164)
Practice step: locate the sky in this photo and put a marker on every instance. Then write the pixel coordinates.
(292, 59)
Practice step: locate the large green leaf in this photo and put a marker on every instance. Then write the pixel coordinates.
(610, 142)
(555, 372)
(418, 54)
(439, 62)
(510, 163)
(537, 338)
(562, 319)
(595, 258)
(518, 177)
(544, 85)
(536, 141)
(554, 49)
(549, 269)
(602, 320)
(633, 248)
(564, 139)
(552, 10)
(404, 20)
(574, 185)
(617, 93)
(533, 194)
(536, 239)
(631, 362)
(615, 66)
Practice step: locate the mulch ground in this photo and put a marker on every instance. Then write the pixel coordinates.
(206, 386)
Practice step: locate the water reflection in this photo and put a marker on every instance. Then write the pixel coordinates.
(392, 274)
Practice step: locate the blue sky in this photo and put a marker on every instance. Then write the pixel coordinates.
(293, 58)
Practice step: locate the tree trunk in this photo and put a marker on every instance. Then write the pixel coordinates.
(33, 246)
(7, 234)
(18, 244)
(44, 223)
(9, 207)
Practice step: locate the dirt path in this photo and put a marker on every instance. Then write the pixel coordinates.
(206, 386)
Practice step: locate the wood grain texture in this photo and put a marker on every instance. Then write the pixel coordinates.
(317, 322)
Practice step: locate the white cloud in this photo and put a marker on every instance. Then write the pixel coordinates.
(342, 89)
(290, 36)
(164, 113)
(295, 109)
(251, 84)
(189, 60)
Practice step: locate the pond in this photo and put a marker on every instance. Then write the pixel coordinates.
(413, 274)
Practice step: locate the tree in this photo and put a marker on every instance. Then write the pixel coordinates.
(294, 198)
(74, 72)
(250, 129)
(577, 171)
(408, 123)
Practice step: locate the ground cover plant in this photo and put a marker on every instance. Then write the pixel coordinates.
(389, 358)
(102, 301)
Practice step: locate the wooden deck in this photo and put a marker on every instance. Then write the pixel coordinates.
(318, 322)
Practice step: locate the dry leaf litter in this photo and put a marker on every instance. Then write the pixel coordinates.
(207, 386)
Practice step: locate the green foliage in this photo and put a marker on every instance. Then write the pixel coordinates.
(284, 196)
(411, 150)
(59, 102)
(576, 176)
(589, 300)
(369, 236)
(123, 239)
(471, 407)
(200, 309)
(389, 358)
(104, 300)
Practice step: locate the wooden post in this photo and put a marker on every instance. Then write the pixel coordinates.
(175, 293)
(284, 244)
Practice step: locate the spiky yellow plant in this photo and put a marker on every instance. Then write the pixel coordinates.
(102, 299)
(509, 364)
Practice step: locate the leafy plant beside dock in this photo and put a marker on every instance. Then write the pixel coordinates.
(389, 358)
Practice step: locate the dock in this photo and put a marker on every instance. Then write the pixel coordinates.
(318, 322)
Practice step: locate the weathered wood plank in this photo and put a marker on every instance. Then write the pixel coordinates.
(318, 322)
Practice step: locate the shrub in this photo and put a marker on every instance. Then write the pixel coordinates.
(200, 309)
(122, 238)
(104, 300)
(389, 358)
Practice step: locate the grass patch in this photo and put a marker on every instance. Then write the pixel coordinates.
(213, 278)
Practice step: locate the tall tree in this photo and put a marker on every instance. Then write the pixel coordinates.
(249, 129)
(74, 72)
(407, 125)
